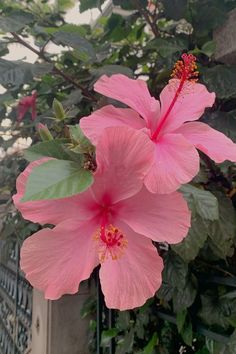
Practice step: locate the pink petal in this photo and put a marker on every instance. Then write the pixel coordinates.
(55, 261)
(109, 116)
(134, 93)
(159, 217)
(135, 277)
(21, 111)
(176, 163)
(212, 142)
(124, 156)
(33, 105)
(81, 207)
(190, 104)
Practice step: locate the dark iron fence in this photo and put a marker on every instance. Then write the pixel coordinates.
(15, 304)
(109, 316)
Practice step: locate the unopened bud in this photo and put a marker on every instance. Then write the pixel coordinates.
(44, 132)
(58, 110)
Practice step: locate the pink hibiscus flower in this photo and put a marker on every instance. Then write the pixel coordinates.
(111, 224)
(168, 124)
(25, 104)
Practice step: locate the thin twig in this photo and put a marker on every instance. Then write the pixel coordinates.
(146, 16)
(57, 71)
(215, 267)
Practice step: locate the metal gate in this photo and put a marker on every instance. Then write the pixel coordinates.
(15, 303)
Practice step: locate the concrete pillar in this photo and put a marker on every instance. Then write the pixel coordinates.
(225, 40)
(57, 327)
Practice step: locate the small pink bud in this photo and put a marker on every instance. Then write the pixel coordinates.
(44, 132)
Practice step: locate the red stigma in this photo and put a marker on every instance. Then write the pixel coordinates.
(110, 241)
(186, 69)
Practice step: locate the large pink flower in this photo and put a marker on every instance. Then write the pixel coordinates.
(112, 223)
(168, 124)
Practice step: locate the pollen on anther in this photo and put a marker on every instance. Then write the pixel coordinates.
(186, 68)
(111, 242)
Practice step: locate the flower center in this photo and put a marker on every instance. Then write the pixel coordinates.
(111, 242)
(184, 70)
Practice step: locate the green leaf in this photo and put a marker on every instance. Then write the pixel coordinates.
(166, 47)
(89, 307)
(126, 346)
(56, 179)
(83, 143)
(180, 319)
(185, 296)
(202, 202)
(203, 350)
(40, 69)
(117, 28)
(151, 344)
(175, 270)
(175, 9)
(221, 79)
(177, 283)
(80, 44)
(173, 275)
(73, 98)
(68, 27)
(15, 72)
(217, 310)
(223, 231)
(129, 4)
(90, 4)
(123, 320)
(65, 4)
(189, 248)
(15, 21)
(208, 14)
(229, 348)
(187, 333)
(209, 48)
(108, 335)
(52, 148)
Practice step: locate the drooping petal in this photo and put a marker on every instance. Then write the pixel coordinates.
(190, 104)
(124, 156)
(34, 112)
(109, 116)
(81, 206)
(21, 111)
(133, 278)
(25, 104)
(55, 261)
(176, 162)
(134, 93)
(159, 217)
(212, 142)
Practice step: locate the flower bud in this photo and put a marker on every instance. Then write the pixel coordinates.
(44, 132)
(58, 110)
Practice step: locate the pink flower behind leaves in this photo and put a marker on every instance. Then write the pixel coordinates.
(112, 224)
(168, 123)
(26, 104)
(151, 6)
